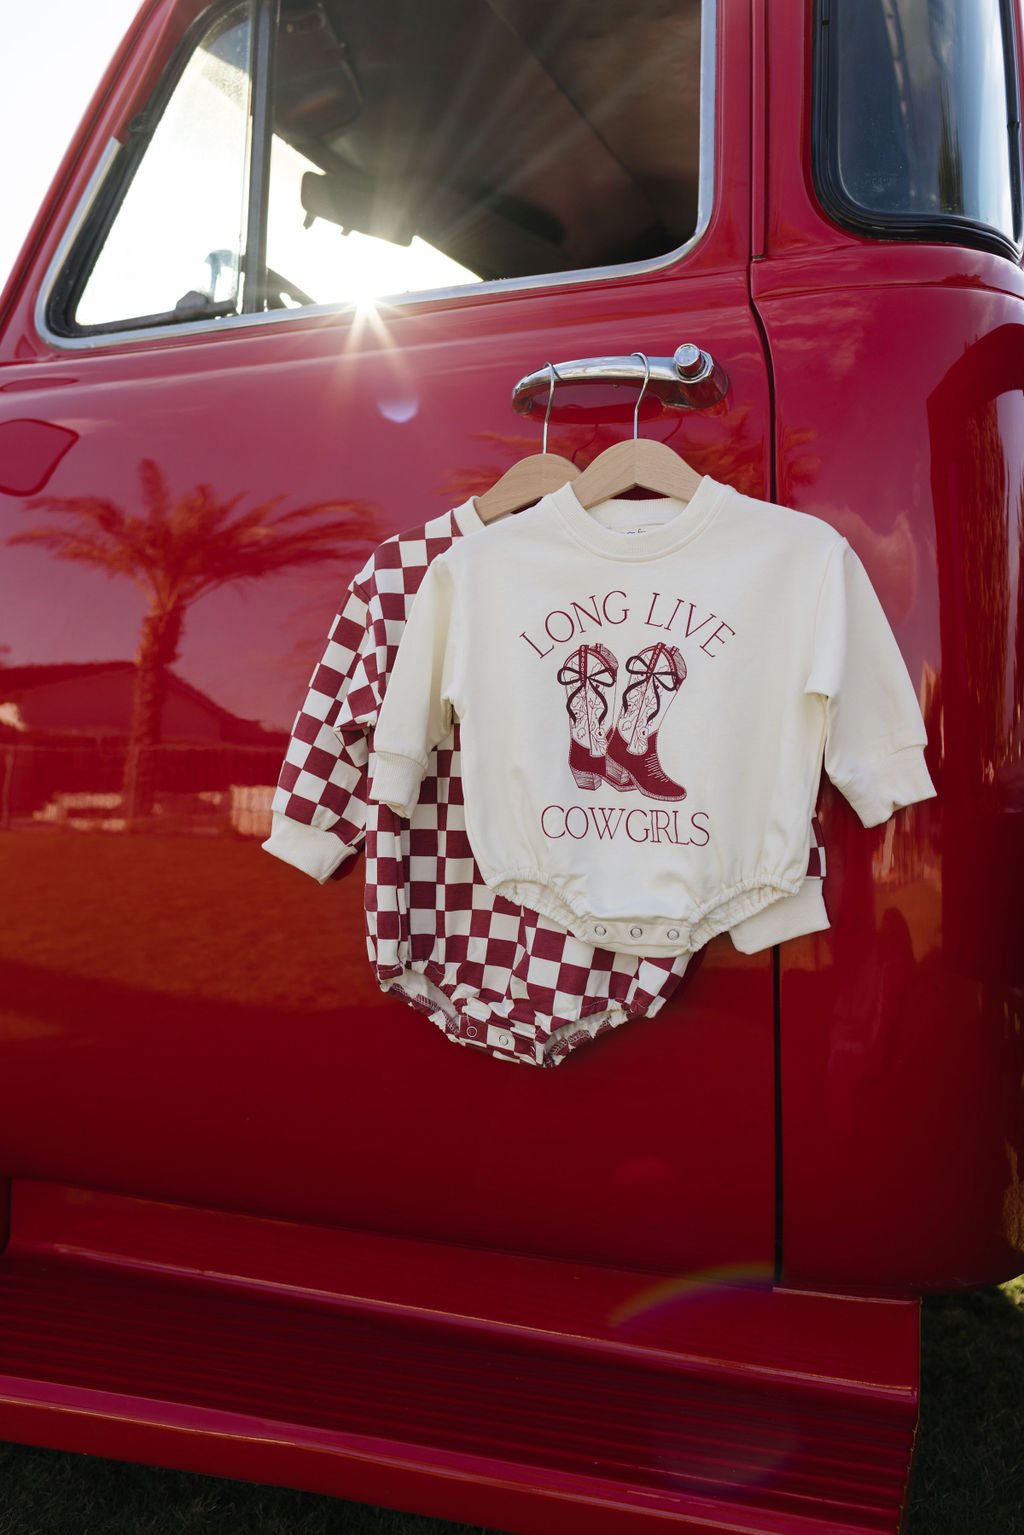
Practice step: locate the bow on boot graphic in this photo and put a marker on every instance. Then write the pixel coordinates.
(624, 753)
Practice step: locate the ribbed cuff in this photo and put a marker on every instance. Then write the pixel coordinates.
(890, 783)
(789, 917)
(395, 781)
(317, 853)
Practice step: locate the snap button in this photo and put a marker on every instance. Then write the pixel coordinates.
(505, 1039)
(673, 932)
(471, 1030)
(600, 931)
(636, 932)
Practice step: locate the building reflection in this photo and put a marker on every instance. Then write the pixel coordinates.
(65, 739)
(126, 743)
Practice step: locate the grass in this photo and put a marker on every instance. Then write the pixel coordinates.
(59, 1494)
(968, 1477)
(46, 1492)
(969, 1469)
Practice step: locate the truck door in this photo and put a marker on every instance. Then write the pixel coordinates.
(273, 313)
(894, 227)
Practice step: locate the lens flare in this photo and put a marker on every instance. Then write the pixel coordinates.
(674, 1292)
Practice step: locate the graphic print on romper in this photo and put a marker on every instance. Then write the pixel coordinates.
(588, 676)
(632, 752)
(625, 756)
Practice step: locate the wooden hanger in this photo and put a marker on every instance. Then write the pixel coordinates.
(529, 479)
(640, 463)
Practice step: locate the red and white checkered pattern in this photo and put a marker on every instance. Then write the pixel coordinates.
(493, 975)
(323, 783)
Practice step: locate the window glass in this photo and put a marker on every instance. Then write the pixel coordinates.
(422, 146)
(324, 263)
(920, 112)
(413, 147)
(173, 250)
(419, 146)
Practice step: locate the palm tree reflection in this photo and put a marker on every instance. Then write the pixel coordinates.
(177, 551)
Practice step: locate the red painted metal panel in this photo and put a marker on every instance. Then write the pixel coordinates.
(727, 1326)
(184, 1018)
(218, 1005)
(902, 1049)
(768, 1410)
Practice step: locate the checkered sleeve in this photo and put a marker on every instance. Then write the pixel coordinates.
(319, 806)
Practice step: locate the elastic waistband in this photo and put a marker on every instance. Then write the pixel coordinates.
(654, 937)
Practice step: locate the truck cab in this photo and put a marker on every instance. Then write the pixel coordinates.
(293, 291)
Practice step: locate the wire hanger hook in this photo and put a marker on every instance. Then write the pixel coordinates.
(551, 400)
(643, 390)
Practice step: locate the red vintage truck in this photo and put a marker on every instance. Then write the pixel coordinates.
(264, 1220)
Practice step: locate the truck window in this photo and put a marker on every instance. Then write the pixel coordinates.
(173, 250)
(412, 148)
(918, 120)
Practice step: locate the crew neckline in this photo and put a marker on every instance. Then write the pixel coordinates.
(466, 517)
(682, 526)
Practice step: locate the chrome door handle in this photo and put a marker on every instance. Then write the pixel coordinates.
(689, 378)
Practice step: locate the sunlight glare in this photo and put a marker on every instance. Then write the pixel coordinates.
(333, 265)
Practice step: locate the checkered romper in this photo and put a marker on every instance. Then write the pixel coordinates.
(492, 975)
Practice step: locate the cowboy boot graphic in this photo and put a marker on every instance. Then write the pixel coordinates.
(631, 754)
(588, 676)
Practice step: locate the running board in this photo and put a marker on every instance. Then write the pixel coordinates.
(524, 1394)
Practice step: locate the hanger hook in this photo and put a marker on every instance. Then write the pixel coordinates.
(551, 400)
(643, 390)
